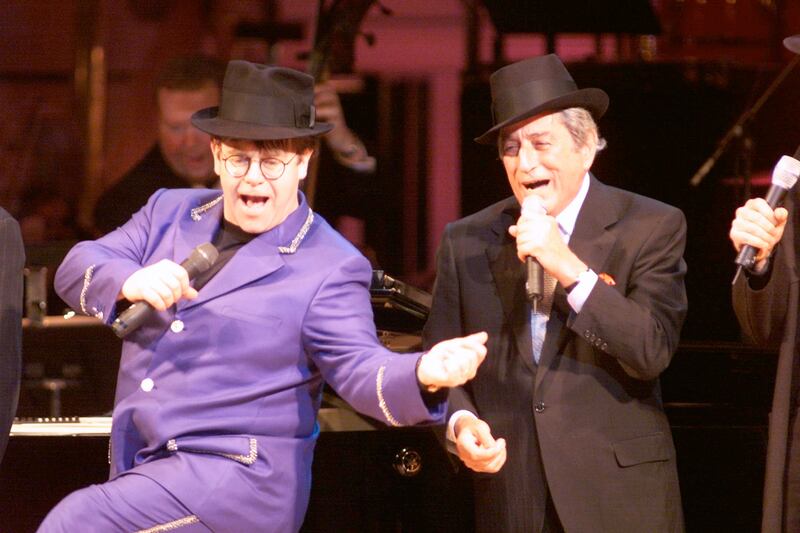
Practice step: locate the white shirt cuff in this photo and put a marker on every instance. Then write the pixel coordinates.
(578, 296)
(451, 435)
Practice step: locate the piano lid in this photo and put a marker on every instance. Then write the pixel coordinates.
(398, 306)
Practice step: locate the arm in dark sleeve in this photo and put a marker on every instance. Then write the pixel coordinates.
(761, 301)
(641, 328)
(13, 253)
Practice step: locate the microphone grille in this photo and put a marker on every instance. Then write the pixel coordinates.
(786, 172)
(532, 205)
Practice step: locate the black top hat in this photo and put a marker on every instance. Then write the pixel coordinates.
(793, 43)
(534, 86)
(261, 102)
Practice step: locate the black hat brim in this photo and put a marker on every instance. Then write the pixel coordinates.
(593, 100)
(207, 120)
(792, 43)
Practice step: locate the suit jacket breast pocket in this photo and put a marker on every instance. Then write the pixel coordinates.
(652, 448)
(264, 320)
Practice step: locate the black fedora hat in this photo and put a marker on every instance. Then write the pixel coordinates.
(793, 43)
(534, 86)
(261, 102)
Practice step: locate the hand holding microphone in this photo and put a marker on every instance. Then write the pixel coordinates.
(759, 224)
(158, 286)
(542, 246)
(534, 284)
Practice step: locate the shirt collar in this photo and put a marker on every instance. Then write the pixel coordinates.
(567, 218)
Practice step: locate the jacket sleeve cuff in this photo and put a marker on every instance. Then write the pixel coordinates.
(400, 399)
(580, 293)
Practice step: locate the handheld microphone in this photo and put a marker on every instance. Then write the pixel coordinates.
(784, 176)
(534, 286)
(198, 262)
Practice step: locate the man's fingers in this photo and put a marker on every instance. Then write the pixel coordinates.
(165, 293)
(757, 225)
(472, 451)
(454, 361)
(461, 365)
(472, 344)
(160, 285)
(758, 211)
(499, 460)
(477, 339)
(476, 452)
(752, 236)
(154, 298)
(484, 435)
(175, 277)
(172, 284)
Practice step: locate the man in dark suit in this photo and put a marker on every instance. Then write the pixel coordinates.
(564, 421)
(766, 301)
(12, 253)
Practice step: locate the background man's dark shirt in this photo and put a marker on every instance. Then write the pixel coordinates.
(131, 192)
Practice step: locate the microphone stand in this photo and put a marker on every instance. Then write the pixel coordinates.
(737, 131)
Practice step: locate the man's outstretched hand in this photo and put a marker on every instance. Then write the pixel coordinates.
(452, 362)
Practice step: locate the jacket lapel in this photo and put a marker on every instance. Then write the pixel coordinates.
(198, 225)
(256, 259)
(592, 242)
(591, 239)
(253, 261)
(509, 278)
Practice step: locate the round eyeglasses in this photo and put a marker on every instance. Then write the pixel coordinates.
(272, 168)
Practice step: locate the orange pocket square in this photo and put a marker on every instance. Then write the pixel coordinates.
(608, 280)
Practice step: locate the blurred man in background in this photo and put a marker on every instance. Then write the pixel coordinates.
(180, 158)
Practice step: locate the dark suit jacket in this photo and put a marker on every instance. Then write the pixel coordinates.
(12, 253)
(767, 309)
(116, 205)
(587, 423)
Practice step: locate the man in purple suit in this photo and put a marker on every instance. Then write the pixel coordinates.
(215, 413)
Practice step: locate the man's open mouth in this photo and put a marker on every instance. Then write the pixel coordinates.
(253, 201)
(536, 184)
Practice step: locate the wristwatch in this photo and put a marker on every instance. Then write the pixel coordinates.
(583, 275)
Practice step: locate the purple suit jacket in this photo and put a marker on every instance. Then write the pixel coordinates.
(217, 397)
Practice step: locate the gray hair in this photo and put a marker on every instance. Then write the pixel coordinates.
(581, 127)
